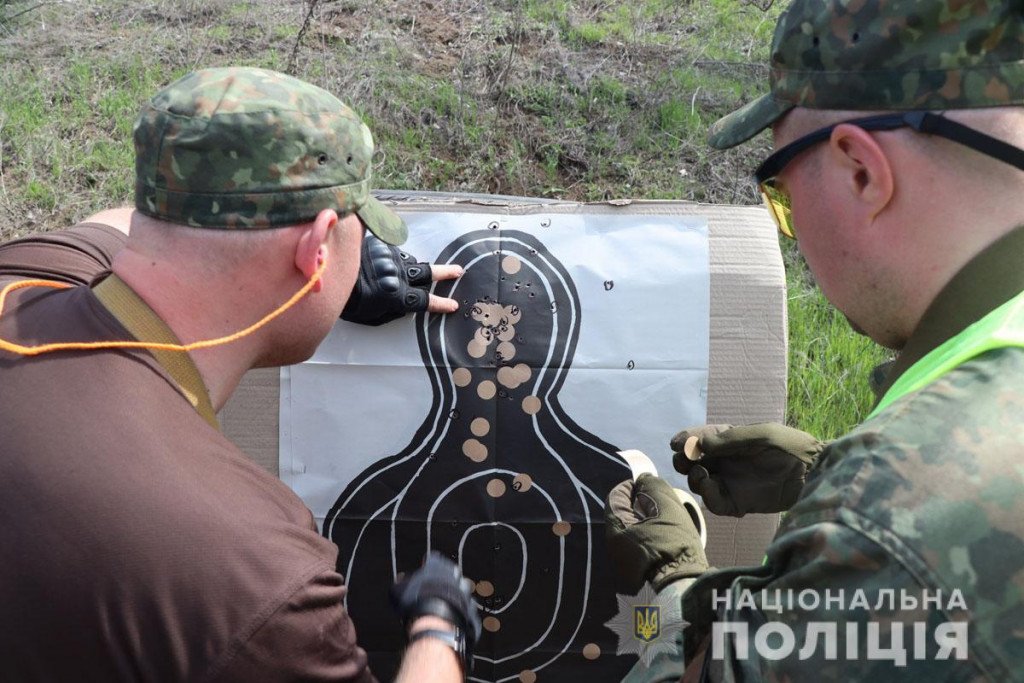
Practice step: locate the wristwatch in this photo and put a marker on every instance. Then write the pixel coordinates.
(456, 640)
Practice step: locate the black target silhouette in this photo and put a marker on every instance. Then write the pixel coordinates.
(497, 477)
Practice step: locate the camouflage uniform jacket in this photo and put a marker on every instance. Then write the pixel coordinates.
(926, 499)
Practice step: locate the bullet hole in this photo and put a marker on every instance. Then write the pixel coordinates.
(533, 252)
(493, 225)
(432, 457)
(497, 547)
(630, 365)
(608, 285)
(502, 393)
(454, 414)
(856, 37)
(554, 307)
(545, 223)
(322, 159)
(532, 295)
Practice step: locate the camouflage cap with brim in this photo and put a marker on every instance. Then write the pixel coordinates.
(245, 148)
(887, 55)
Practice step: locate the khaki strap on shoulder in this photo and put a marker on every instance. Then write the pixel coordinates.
(145, 325)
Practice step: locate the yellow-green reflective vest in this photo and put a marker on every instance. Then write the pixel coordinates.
(1002, 327)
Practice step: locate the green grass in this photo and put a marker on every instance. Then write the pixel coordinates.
(587, 34)
(554, 98)
(829, 364)
(548, 11)
(67, 141)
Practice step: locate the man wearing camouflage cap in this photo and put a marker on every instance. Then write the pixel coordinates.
(139, 543)
(899, 135)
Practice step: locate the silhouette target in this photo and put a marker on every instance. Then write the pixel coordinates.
(498, 477)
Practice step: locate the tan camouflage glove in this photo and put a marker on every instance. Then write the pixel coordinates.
(753, 468)
(650, 535)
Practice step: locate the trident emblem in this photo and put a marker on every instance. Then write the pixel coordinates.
(648, 622)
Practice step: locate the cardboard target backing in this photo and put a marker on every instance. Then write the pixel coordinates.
(497, 454)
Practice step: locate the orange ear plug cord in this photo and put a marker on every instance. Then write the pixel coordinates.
(91, 346)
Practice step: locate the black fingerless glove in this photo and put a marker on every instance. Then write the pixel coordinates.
(391, 283)
(438, 589)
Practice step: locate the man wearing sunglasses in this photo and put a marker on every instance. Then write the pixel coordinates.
(899, 134)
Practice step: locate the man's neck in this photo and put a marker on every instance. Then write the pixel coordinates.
(987, 281)
(185, 304)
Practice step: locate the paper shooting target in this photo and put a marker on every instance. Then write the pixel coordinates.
(511, 442)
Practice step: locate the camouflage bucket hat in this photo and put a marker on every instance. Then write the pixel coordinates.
(244, 148)
(887, 55)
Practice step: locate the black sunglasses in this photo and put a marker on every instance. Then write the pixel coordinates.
(920, 121)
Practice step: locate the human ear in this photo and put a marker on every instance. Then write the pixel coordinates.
(311, 249)
(865, 167)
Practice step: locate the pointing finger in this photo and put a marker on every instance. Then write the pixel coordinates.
(445, 272)
(438, 304)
